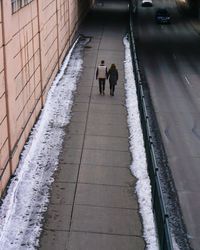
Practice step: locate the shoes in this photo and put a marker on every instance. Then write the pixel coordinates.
(103, 93)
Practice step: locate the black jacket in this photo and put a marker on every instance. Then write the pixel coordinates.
(113, 75)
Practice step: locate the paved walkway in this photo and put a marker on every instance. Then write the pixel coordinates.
(93, 204)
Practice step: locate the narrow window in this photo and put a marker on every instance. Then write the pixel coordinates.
(18, 4)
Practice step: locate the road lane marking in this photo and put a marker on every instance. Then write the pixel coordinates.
(188, 82)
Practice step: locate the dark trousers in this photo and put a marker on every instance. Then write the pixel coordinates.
(102, 85)
(112, 88)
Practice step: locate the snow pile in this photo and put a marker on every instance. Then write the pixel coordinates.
(139, 164)
(21, 212)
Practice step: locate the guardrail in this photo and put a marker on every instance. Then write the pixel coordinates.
(159, 209)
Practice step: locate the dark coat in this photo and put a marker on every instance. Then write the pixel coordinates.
(113, 75)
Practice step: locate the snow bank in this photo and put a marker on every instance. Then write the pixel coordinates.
(139, 164)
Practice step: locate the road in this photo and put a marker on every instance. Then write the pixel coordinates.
(170, 56)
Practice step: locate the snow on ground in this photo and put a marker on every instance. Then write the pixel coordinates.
(139, 164)
(27, 197)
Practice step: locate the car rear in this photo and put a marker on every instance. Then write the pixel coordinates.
(147, 3)
(162, 16)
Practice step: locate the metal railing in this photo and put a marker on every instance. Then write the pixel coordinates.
(159, 209)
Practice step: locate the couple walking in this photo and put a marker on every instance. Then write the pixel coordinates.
(102, 74)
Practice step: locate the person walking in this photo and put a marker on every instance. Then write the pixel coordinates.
(101, 74)
(113, 78)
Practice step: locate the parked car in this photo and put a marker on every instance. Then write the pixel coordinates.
(162, 16)
(147, 3)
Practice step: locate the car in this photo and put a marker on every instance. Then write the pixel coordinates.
(162, 16)
(147, 3)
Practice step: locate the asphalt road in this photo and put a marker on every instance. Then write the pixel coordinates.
(170, 55)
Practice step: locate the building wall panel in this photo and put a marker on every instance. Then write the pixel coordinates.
(48, 41)
(2, 80)
(20, 51)
(4, 142)
(4, 147)
(5, 176)
(36, 39)
(73, 12)
(63, 28)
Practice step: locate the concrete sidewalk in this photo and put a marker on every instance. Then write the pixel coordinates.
(93, 203)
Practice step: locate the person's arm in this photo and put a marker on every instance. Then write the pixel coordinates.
(97, 72)
(107, 73)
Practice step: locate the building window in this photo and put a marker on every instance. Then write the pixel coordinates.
(18, 4)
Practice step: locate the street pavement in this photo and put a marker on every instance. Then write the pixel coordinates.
(93, 203)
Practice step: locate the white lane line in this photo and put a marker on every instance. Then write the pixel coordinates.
(188, 82)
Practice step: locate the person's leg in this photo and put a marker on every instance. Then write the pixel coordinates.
(100, 86)
(103, 83)
(113, 90)
(110, 87)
